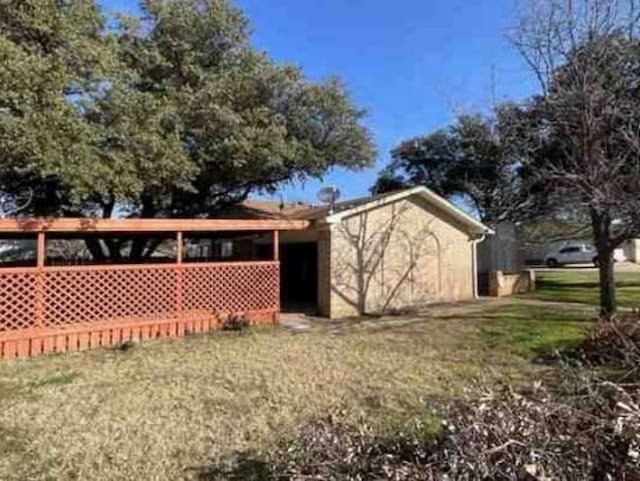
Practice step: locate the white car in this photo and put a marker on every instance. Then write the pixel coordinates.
(578, 254)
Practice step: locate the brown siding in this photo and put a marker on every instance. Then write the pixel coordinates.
(324, 273)
(397, 256)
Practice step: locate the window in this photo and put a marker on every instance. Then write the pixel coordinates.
(569, 250)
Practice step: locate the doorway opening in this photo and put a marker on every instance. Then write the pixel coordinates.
(299, 277)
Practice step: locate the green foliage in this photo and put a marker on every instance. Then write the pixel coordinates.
(52, 53)
(168, 113)
(475, 158)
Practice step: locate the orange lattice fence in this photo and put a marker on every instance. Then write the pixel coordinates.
(60, 309)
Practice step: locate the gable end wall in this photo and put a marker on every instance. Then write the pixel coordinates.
(396, 256)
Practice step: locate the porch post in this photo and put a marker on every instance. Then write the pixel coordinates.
(179, 275)
(41, 250)
(179, 243)
(41, 254)
(276, 245)
(276, 257)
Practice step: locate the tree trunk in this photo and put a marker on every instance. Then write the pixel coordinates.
(94, 245)
(139, 244)
(95, 249)
(601, 223)
(607, 283)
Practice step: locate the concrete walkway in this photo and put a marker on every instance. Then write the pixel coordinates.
(305, 322)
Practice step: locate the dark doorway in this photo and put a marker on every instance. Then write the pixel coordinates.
(299, 276)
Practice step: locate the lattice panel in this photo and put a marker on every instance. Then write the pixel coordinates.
(17, 300)
(57, 298)
(232, 287)
(107, 294)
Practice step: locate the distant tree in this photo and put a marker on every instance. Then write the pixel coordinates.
(474, 158)
(587, 58)
(169, 113)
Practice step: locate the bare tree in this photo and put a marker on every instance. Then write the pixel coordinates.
(583, 131)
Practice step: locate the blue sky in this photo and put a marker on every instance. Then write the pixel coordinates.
(410, 63)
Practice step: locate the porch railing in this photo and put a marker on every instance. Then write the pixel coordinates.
(59, 309)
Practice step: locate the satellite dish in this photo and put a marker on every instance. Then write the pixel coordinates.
(329, 195)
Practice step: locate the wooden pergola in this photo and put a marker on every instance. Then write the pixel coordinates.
(65, 308)
(42, 226)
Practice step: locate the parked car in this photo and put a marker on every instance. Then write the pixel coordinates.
(578, 254)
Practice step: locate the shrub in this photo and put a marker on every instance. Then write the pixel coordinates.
(235, 322)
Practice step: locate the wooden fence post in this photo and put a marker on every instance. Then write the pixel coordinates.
(276, 257)
(179, 275)
(41, 254)
(179, 247)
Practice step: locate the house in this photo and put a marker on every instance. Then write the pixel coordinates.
(371, 255)
(631, 250)
(501, 251)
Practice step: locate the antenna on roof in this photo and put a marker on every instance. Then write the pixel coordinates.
(329, 195)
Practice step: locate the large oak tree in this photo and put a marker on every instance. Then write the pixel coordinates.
(168, 113)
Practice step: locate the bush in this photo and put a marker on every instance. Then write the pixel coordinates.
(236, 322)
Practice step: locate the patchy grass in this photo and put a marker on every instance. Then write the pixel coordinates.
(162, 411)
(531, 331)
(581, 285)
(54, 380)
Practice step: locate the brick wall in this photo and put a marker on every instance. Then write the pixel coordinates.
(400, 255)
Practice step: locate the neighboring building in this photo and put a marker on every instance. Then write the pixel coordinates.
(500, 256)
(372, 255)
(501, 251)
(631, 250)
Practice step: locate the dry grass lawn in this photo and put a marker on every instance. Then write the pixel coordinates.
(164, 410)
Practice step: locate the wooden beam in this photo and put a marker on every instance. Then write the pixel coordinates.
(94, 225)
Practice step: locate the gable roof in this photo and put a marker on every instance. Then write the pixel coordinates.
(433, 199)
(341, 210)
(265, 209)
